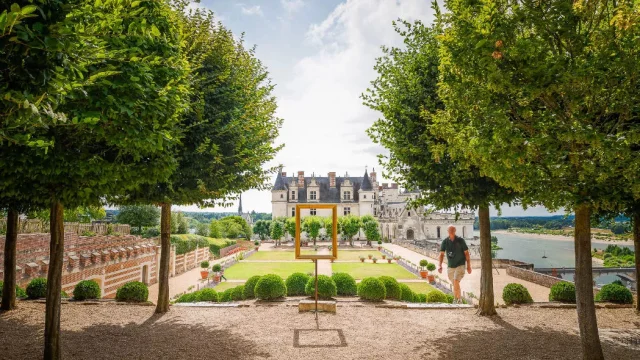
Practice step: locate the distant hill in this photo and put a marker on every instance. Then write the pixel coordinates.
(548, 222)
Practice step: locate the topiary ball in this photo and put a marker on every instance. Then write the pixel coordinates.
(238, 293)
(406, 294)
(86, 289)
(133, 291)
(563, 291)
(450, 298)
(326, 287)
(296, 283)
(345, 284)
(208, 294)
(392, 286)
(615, 293)
(372, 289)
(421, 298)
(436, 296)
(188, 297)
(226, 295)
(516, 294)
(249, 287)
(270, 287)
(37, 288)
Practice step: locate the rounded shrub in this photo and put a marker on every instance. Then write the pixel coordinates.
(134, 291)
(392, 286)
(64, 295)
(208, 294)
(372, 289)
(238, 293)
(406, 294)
(450, 298)
(37, 288)
(345, 284)
(216, 268)
(226, 295)
(436, 296)
(270, 287)
(516, 294)
(424, 263)
(296, 283)
(86, 289)
(431, 266)
(615, 293)
(563, 291)
(249, 287)
(19, 291)
(188, 297)
(204, 264)
(326, 287)
(421, 298)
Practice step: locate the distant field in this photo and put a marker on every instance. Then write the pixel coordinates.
(363, 270)
(245, 270)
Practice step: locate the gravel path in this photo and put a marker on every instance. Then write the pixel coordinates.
(110, 331)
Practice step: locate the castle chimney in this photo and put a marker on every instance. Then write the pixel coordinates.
(385, 185)
(332, 179)
(301, 179)
(284, 174)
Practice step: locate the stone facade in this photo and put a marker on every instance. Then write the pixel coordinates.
(364, 196)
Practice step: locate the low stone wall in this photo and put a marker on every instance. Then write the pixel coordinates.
(532, 276)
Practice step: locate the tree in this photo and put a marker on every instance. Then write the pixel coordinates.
(312, 225)
(371, 228)
(138, 216)
(406, 93)
(262, 228)
(290, 226)
(349, 227)
(214, 229)
(179, 223)
(202, 229)
(543, 99)
(234, 227)
(277, 231)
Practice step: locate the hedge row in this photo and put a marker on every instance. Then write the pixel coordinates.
(185, 243)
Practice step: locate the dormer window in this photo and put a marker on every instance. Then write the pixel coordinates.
(293, 195)
(312, 195)
(346, 195)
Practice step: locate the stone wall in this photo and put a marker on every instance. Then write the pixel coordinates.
(532, 276)
(185, 262)
(226, 250)
(36, 226)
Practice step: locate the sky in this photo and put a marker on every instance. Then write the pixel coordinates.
(320, 54)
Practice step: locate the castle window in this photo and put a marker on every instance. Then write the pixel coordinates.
(312, 195)
(408, 213)
(346, 195)
(313, 211)
(364, 196)
(293, 195)
(347, 211)
(281, 196)
(293, 211)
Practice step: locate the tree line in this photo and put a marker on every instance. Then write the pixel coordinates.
(506, 102)
(126, 103)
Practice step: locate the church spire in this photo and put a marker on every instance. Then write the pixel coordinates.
(240, 206)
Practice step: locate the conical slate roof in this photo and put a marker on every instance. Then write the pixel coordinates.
(279, 185)
(366, 183)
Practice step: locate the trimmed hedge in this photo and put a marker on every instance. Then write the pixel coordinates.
(392, 286)
(188, 297)
(345, 284)
(516, 294)
(421, 298)
(238, 293)
(436, 296)
(406, 294)
(86, 289)
(450, 298)
(226, 295)
(372, 289)
(326, 287)
(296, 283)
(250, 286)
(188, 242)
(563, 291)
(615, 293)
(270, 287)
(37, 288)
(207, 294)
(20, 293)
(133, 291)
(216, 244)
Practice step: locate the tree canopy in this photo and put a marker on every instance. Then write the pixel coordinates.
(138, 216)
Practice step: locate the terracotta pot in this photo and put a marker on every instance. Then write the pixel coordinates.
(423, 274)
(216, 278)
(370, 256)
(389, 260)
(204, 274)
(257, 247)
(375, 260)
(379, 248)
(431, 279)
(361, 260)
(384, 257)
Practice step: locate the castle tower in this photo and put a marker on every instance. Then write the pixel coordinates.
(366, 197)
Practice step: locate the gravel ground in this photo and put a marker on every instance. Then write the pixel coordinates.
(110, 331)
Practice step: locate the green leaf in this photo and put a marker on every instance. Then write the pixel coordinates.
(28, 9)
(481, 43)
(15, 8)
(154, 30)
(135, 3)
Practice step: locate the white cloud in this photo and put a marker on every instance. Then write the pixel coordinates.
(252, 10)
(291, 6)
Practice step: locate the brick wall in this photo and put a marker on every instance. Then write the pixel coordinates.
(191, 260)
(532, 276)
(224, 251)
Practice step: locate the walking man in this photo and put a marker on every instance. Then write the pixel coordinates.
(457, 256)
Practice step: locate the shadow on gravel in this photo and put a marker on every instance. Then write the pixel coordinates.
(510, 342)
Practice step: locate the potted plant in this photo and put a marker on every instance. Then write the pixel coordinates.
(384, 256)
(423, 268)
(205, 269)
(370, 256)
(379, 245)
(389, 260)
(374, 260)
(361, 258)
(257, 244)
(431, 267)
(216, 272)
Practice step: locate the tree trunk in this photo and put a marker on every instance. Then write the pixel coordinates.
(486, 305)
(10, 260)
(165, 249)
(54, 282)
(636, 246)
(587, 321)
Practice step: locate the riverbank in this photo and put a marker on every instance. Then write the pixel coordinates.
(560, 237)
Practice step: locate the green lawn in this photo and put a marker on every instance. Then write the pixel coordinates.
(226, 285)
(275, 255)
(245, 270)
(420, 287)
(363, 270)
(355, 254)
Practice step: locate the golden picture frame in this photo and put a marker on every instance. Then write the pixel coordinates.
(334, 232)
